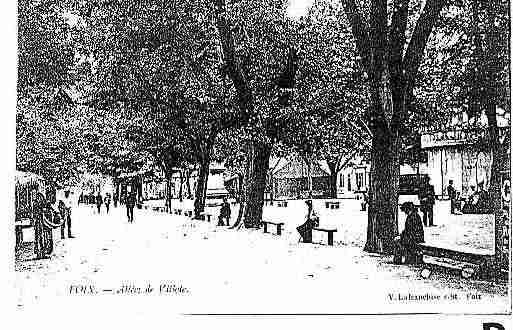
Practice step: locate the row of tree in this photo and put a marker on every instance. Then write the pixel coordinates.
(108, 85)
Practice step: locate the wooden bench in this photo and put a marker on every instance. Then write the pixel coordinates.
(158, 208)
(282, 203)
(480, 263)
(332, 205)
(330, 233)
(278, 225)
(204, 215)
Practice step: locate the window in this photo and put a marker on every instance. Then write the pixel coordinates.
(342, 180)
(359, 181)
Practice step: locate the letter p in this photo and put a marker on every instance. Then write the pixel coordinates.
(490, 326)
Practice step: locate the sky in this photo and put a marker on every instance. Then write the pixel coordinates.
(297, 8)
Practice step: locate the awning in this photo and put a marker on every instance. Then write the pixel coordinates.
(23, 178)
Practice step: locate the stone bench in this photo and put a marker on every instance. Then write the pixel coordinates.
(159, 208)
(332, 205)
(330, 234)
(278, 225)
(204, 215)
(471, 262)
(282, 203)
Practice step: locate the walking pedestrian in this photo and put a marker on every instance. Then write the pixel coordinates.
(311, 221)
(225, 213)
(130, 204)
(65, 209)
(427, 201)
(99, 202)
(107, 202)
(413, 234)
(451, 192)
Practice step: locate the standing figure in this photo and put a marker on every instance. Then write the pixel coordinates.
(311, 221)
(427, 200)
(130, 204)
(99, 202)
(107, 202)
(451, 192)
(66, 214)
(413, 234)
(40, 233)
(224, 213)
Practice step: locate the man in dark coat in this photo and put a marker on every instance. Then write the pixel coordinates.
(427, 200)
(413, 233)
(451, 192)
(130, 204)
(99, 202)
(65, 209)
(225, 213)
(107, 202)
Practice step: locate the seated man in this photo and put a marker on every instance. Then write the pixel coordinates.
(413, 233)
(484, 203)
(471, 201)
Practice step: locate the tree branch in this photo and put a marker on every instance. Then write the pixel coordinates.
(231, 65)
(359, 32)
(415, 51)
(397, 39)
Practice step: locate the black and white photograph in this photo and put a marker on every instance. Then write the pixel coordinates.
(199, 159)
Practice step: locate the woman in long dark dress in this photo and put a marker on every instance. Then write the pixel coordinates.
(311, 221)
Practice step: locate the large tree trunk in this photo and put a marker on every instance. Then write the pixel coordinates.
(492, 67)
(495, 187)
(116, 192)
(256, 171)
(169, 195)
(310, 181)
(201, 186)
(240, 200)
(188, 183)
(333, 179)
(180, 191)
(383, 189)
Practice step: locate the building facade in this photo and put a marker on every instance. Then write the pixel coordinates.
(462, 155)
(353, 179)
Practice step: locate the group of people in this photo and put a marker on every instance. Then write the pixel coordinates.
(102, 200)
(48, 216)
(477, 201)
(413, 233)
(99, 201)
